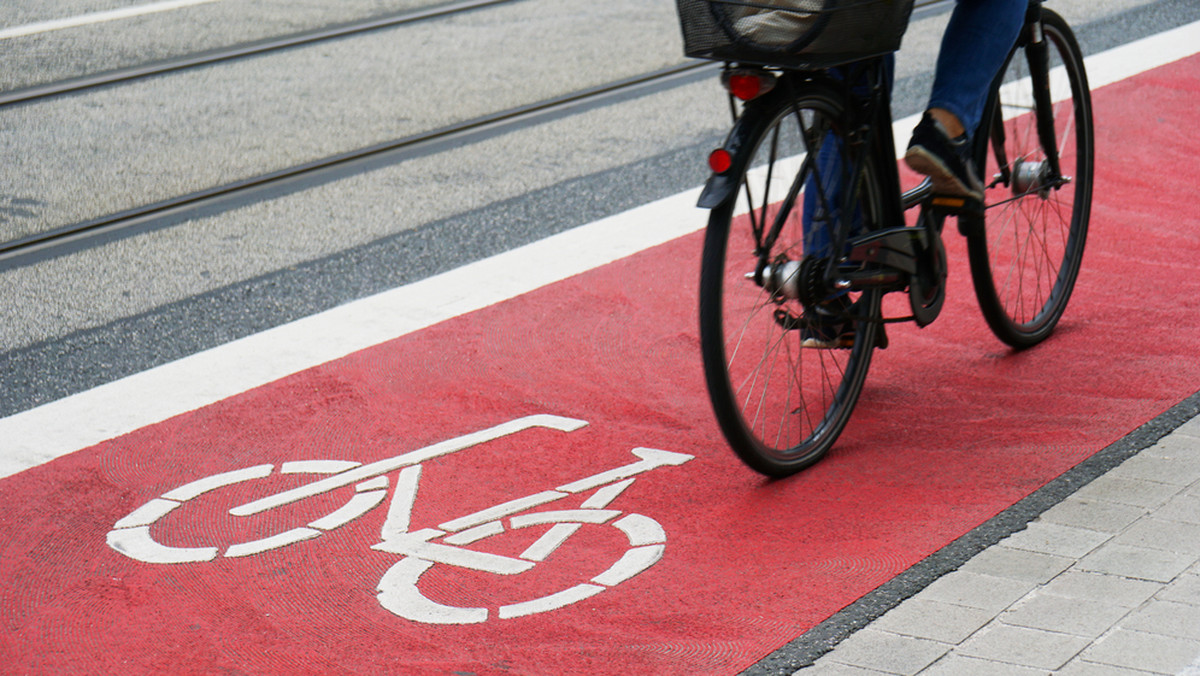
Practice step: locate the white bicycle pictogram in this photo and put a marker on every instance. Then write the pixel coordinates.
(399, 588)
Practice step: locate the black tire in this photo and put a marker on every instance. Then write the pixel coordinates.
(1025, 260)
(780, 406)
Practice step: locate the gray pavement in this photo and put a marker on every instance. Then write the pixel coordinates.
(1104, 583)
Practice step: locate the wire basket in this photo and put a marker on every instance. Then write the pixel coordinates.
(792, 33)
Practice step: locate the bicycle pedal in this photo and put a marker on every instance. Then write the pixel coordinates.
(956, 205)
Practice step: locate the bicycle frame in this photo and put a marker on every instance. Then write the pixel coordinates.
(897, 254)
(809, 230)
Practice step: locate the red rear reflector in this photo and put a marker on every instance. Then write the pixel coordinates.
(745, 86)
(720, 160)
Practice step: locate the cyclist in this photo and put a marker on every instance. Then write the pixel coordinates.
(976, 42)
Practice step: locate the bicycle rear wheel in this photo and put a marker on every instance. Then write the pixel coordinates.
(1025, 260)
(780, 405)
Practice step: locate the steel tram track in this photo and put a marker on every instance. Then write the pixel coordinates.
(245, 50)
(91, 233)
(88, 234)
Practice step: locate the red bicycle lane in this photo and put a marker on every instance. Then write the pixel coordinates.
(953, 428)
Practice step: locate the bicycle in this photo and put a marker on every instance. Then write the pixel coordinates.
(399, 590)
(812, 140)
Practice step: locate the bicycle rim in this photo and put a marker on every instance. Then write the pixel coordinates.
(1025, 264)
(781, 406)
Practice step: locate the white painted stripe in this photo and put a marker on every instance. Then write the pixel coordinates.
(40, 435)
(414, 545)
(96, 17)
(601, 498)
(398, 593)
(565, 516)
(633, 562)
(202, 486)
(552, 602)
(137, 544)
(266, 544)
(472, 535)
(318, 466)
(358, 505)
(400, 511)
(642, 530)
(411, 458)
(502, 510)
(147, 514)
(550, 541)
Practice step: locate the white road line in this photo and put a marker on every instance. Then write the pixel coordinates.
(39, 435)
(96, 17)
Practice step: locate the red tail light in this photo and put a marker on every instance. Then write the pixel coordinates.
(748, 84)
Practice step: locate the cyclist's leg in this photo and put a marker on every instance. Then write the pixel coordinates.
(975, 45)
(823, 201)
(817, 222)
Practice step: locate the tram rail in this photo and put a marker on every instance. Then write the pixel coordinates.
(87, 234)
(241, 51)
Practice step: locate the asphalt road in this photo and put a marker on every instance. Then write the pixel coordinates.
(187, 281)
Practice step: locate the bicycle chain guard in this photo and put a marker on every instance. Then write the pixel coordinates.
(914, 254)
(927, 287)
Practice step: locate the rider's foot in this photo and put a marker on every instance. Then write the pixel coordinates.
(946, 161)
(829, 327)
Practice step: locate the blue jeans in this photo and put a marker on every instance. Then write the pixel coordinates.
(976, 42)
(823, 199)
(977, 39)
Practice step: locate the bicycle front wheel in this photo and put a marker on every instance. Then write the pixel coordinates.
(1025, 261)
(784, 374)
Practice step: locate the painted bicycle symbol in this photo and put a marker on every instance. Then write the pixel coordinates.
(447, 544)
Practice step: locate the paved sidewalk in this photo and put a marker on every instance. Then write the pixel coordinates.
(1105, 583)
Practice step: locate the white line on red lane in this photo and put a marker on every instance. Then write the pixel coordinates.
(40, 435)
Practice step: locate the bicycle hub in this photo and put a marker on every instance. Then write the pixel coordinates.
(782, 279)
(1030, 177)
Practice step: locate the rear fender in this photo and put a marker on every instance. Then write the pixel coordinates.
(722, 187)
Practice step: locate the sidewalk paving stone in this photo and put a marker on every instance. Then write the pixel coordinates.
(1024, 647)
(958, 665)
(1017, 564)
(977, 590)
(1154, 533)
(1098, 515)
(1183, 507)
(1081, 667)
(934, 620)
(1079, 617)
(1137, 562)
(1168, 618)
(1183, 589)
(1105, 583)
(1162, 464)
(888, 652)
(1116, 589)
(1059, 540)
(1139, 650)
(1136, 492)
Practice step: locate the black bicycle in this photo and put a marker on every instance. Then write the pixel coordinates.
(808, 224)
